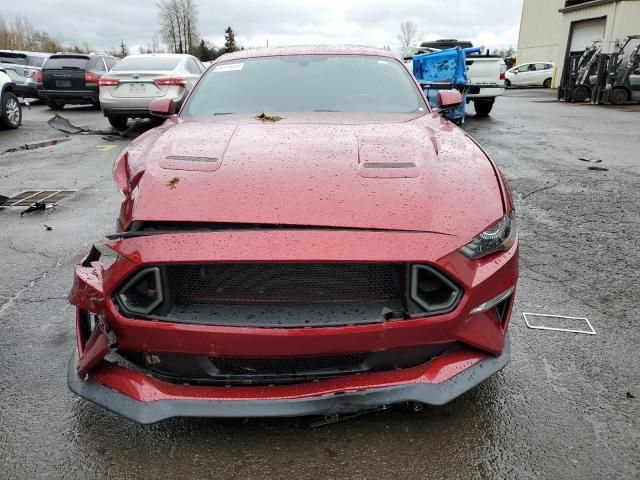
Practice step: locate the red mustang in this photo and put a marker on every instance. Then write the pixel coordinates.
(307, 236)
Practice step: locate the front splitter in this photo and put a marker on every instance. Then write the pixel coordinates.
(332, 404)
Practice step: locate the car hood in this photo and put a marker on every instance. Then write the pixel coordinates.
(393, 172)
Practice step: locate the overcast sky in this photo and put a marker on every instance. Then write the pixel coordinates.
(492, 23)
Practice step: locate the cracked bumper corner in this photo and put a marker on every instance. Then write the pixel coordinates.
(342, 402)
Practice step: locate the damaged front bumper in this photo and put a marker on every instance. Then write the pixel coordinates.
(145, 400)
(134, 389)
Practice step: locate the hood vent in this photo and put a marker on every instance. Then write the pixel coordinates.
(389, 165)
(187, 158)
(191, 162)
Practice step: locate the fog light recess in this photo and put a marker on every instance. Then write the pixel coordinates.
(432, 291)
(143, 293)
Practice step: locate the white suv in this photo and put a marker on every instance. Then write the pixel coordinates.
(10, 110)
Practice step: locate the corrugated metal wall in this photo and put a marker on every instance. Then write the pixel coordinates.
(539, 26)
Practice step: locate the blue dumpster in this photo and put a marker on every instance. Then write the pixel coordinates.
(445, 69)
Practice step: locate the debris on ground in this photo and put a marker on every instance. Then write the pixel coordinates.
(35, 207)
(331, 419)
(48, 227)
(173, 182)
(529, 321)
(33, 146)
(630, 395)
(63, 124)
(540, 190)
(582, 159)
(268, 118)
(598, 169)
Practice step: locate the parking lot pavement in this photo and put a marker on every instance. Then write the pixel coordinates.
(567, 406)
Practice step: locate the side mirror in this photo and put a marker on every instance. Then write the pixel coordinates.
(162, 107)
(448, 99)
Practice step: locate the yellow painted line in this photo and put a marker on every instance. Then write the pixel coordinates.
(105, 148)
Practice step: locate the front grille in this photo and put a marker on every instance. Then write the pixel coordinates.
(286, 283)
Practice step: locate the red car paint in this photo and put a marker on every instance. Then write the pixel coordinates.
(304, 170)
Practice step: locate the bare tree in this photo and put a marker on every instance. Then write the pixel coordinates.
(408, 35)
(155, 45)
(179, 23)
(21, 35)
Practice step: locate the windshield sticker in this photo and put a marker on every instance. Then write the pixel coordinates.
(231, 67)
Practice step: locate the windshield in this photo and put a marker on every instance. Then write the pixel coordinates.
(36, 61)
(16, 60)
(306, 83)
(147, 64)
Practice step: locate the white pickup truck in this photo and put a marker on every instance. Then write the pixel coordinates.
(486, 73)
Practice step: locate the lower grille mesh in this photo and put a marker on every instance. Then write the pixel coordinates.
(286, 283)
(283, 366)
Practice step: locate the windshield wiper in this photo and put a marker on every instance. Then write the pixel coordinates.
(224, 113)
(326, 110)
(71, 68)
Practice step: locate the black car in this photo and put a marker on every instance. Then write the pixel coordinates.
(71, 78)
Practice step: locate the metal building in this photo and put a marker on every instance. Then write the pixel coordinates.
(551, 29)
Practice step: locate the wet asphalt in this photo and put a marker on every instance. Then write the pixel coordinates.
(567, 406)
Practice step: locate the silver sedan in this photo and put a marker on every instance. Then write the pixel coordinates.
(128, 89)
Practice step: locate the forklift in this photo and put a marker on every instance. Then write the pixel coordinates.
(587, 65)
(622, 80)
(575, 84)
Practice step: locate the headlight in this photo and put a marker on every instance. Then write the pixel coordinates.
(499, 237)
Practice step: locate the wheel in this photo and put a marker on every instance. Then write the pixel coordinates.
(507, 84)
(53, 105)
(11, 114)
(119, 123)
(483, 107)
(580, 94)
(619, 96)
(546, 83)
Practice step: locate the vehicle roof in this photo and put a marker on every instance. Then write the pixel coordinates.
(308, 50)
(168, 55)
(14, 53)
(25, 52)
(80, 55)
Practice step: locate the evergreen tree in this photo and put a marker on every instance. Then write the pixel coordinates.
(230, 40)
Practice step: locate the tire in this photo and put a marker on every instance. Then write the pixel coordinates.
(546, 83)
(507, 84)
(119, 123)
(580, 94)
(11, 114)
(53, 105)
(483, 107)
(619, 96)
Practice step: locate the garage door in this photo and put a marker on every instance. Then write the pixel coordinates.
(586, 32)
